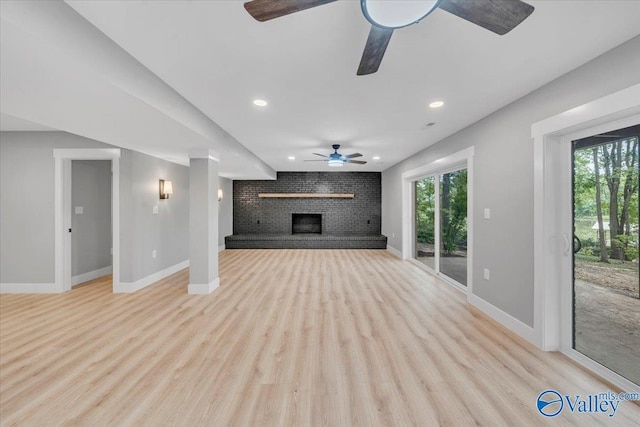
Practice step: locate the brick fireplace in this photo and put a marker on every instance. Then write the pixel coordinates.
(313, 223)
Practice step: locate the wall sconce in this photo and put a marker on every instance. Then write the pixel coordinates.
(220, 194)
(166, 188)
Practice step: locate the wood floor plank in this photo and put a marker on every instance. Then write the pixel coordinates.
(291, 337)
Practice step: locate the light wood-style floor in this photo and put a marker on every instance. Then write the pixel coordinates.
(291, 338)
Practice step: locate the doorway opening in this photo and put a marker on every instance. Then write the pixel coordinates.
(606, 277)
(441, 224)
(553, 218)
(91, 224)
(437, 227)
(63, 216)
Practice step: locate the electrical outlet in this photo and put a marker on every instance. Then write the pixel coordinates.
(393, 235)
(153, 253)
(486, 274)
(155, 210)
(487, 213)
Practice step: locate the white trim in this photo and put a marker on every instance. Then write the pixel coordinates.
(470, 179)
(439, 276)
(547, 137)
(453, 282)
(67, 194)
(62, 209)
(423, 266)
(115, 220)
(85, 277)
(552, 299)
(204, 288)
(29, 288)
(86, 153)
(221, 248)
(407, 218)
(130, 287)
(446, 164)
(204, 153)
(58, 221)
(505, 319)
(394, 251)
(606, 373)
(462, 159)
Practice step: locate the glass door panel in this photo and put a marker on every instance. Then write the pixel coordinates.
(425, 193)
(453, 225)
(606, 278)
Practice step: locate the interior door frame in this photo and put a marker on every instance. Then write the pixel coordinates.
(553, 226)
(62, 209)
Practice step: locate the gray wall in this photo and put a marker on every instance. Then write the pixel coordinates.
(225, 210)
(142, 231)
(27, 209)
(360, 215)
(91, 236)
(503, 178)
(27, 205)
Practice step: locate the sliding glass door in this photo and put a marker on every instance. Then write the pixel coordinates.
(606, 277)
(425, 191)
(441, 224)
(453, 225)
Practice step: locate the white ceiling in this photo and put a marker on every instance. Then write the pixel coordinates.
(219, 58)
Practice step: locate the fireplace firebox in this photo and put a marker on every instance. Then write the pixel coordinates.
(304, 223)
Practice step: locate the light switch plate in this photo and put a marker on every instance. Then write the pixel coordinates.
(79, 210)
(155, 210)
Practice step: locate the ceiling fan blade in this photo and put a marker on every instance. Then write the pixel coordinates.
(358, 162)
(264, 10)
(351, 156)
(316, 160)
(321, 155)
(374, 50)
(499, 16)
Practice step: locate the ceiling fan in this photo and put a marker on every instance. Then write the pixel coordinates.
(499, 16)
(336, 159)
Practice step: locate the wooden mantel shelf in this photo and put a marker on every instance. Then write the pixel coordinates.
(306, 195)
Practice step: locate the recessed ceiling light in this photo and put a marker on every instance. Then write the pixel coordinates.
(291, 157)
(260, 102)
(376, 157)
(436, 104)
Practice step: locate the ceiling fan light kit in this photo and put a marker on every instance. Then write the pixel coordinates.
(336, 160)
(498, 16)
(397, 14)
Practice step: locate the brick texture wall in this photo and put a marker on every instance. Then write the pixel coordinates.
(360, 215)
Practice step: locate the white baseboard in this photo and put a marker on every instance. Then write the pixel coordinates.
(506, 320)
(203, 288)
(129, 287)
(394, 251)
(29, 288)
(221, 248)
(85, 277)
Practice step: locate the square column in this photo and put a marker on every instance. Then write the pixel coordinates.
(203, 223)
